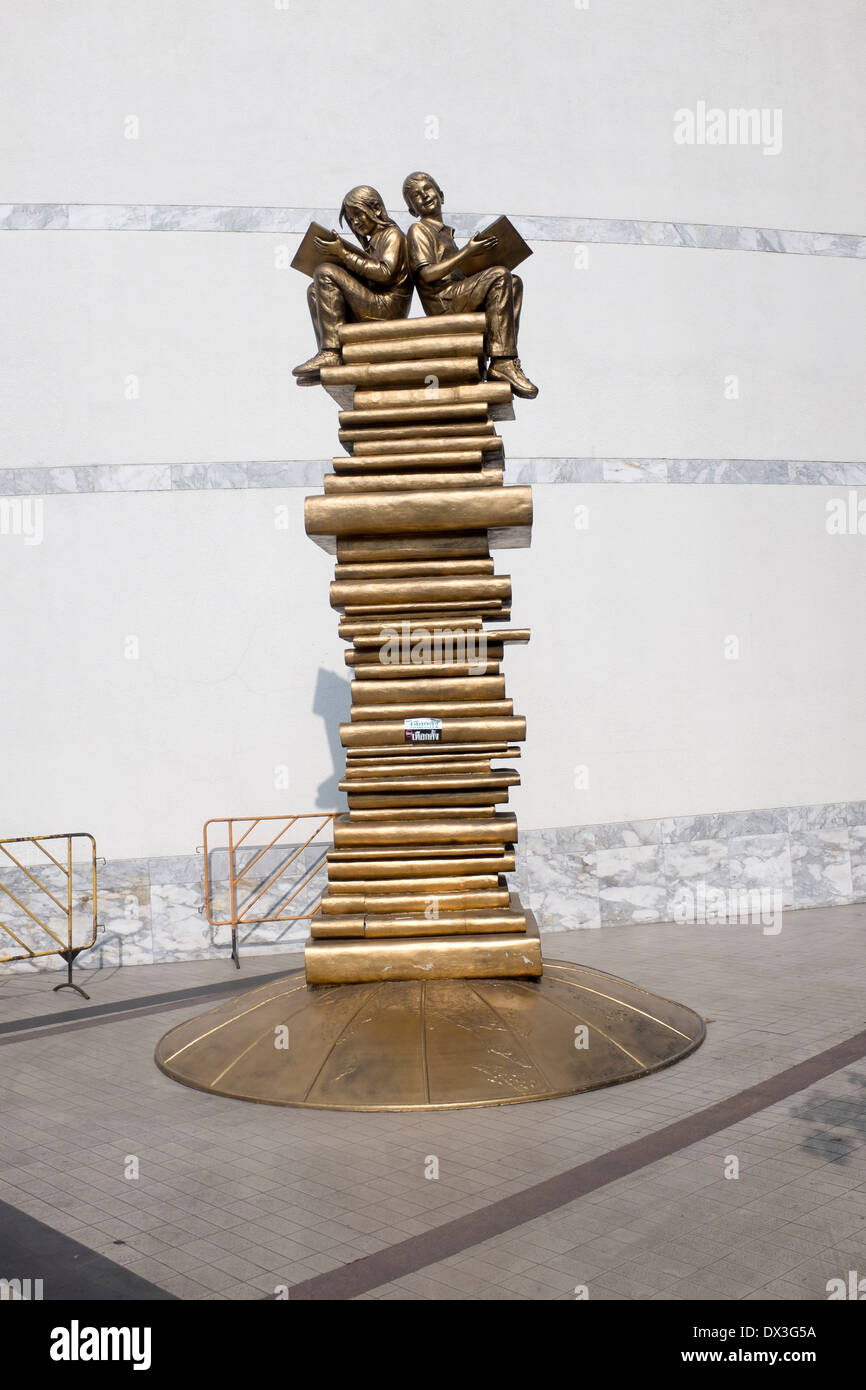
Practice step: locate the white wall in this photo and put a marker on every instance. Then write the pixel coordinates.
(632, 353)
(241, 670)
(233, 625)
(542, 108)
(546, 109)
(627, 675)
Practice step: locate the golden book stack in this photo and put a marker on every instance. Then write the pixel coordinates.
(417, 877)
(433, 993)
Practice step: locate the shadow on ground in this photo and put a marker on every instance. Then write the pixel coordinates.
(839, 1122)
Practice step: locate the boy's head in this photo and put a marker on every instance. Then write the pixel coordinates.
(424, 197)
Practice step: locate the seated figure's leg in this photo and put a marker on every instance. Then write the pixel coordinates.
(489, 290)
(501, 294)
(308, 372)
(335, 297)
(334, 293)
(313, 306)
(499, 305)
(330, 283)
(517, 299)
(344, 298)
(363, 303)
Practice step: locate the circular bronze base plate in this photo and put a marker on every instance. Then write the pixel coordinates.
(429, 1045)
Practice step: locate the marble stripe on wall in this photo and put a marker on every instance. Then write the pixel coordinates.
(308, 473)
(798, 472)
(645, 871)
(572, 877)
(153, 217)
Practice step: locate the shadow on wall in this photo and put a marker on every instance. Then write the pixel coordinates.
(332, 701)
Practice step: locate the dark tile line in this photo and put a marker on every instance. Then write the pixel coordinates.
(31, 1250)
(147, 1003)
(453, 1237)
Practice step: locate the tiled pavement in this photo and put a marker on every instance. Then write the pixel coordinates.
(234, 1200)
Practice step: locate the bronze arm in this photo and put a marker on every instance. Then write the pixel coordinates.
(382, 271)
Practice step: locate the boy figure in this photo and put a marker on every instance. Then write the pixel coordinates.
(371, 284)
(445, 286)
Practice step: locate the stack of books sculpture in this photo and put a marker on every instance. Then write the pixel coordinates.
(434, 994)
(417, 885)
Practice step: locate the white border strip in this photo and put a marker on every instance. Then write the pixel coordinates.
(309, 473)
(159, 217)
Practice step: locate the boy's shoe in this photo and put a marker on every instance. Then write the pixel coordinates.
(509, 370)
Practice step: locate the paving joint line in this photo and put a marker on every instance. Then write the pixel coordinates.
(452, 1238)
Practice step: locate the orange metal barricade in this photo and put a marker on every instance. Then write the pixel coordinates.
(60, 925)
(243, 896)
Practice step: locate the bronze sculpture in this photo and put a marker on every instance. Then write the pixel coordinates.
(447, 283)
(374, 283)
(423, 985)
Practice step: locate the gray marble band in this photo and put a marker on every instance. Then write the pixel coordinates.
(573, 877)
(156, 217)
(308, 473)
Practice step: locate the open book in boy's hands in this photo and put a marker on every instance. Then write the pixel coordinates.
(510, 248)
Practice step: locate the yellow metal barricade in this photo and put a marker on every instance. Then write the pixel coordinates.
(49, 914)
(240, 893)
